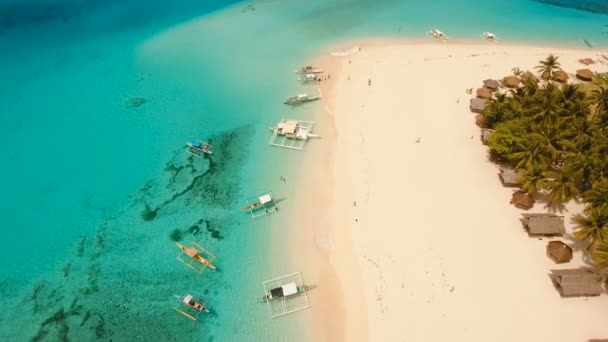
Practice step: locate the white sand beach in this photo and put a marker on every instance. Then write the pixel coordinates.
(407, 230)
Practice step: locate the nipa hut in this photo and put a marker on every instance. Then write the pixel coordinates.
(559, 252)
(577, 282)
(522, 200)
(510, 81)
(481, 121)
(477, 105)
(584, 74)
(560, 76)
(491, 84)
(510, 177)
(544, 224)
(485, 135)
(484, 93)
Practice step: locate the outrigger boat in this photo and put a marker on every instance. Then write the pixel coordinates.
(285, 295)
(195, 255)
(309, 78)
(308, 70)
(489, 36)
(198, 148)
(301, 98)
(284, 291)
(194, 307)
(294, 130)
(436, 34)
(261, 205)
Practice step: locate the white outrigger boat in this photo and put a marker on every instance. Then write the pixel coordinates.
(436, 34)
(489, 36)
(198, 148)
(261, 205)
(300, 98)
(194, 307)
(309, 78)
(308, 70)
(285, 295)
(293, 129)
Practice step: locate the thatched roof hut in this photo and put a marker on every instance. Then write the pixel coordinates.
(485, 134)
(484, 93)
(560, 76)
(559, 252)
(477, 105)
(481, 121)
(522, 200)
(586, 61)
(510, 81)
(491, 84)
(577, 282)
(584, 74)
(510, 177)
(544, 224)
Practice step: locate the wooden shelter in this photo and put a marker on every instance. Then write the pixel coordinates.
(544, 224)
(522, 200)
(559, 252)
(485, 134)
(484, 93)
(477, 105)
(491, 84)
(577, 282)
(560, 76)
(511, 81)
(584, 74)
(510, 177)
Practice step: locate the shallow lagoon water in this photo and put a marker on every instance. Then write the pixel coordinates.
(98, 100)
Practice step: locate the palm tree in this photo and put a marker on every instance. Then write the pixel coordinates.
(533, 179)
(547, 67)
(600, 100)
(592, 226)
(600, 255)
(561, 185)
(597, 196)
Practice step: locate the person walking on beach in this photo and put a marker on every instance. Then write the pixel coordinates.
(369, 81)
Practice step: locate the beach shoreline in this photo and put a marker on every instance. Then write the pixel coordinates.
(363, 213)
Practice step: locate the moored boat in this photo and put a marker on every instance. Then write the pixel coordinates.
(198, 148)
(284, 291)
(300, 98)
(436, 34)
(489, 36)
(308, 70)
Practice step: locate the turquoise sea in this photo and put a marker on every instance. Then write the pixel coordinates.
(98, 99)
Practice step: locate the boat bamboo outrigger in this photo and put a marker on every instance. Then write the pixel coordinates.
(489, 36)
(260, 205)
(198, 148)
(300, 98)
(285, 295)
(308, 70)
(436, 34)
(292, 134)
(197, 259)
(194, 307)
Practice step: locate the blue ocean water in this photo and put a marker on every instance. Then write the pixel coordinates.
(98, 98)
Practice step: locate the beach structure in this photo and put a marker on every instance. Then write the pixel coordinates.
(308, 70)
(485, 135)
(198, 148)
(596, 340)
(309, 78)
(195, 257)
(261, 205)
(436, 34)
(286, 295)
(584, 75)
(586, 61)
(300, 99)
(484, 93)
(477, 105)
(560, 76)
(511, 81)
(510, 177)
(491, 84)
(544, 224)
(559, 252)
(191, 307)
(489, 36)
(522, 200)
(292, 133)
(577, 282)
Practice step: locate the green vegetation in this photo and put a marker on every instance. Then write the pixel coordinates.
(556, 136)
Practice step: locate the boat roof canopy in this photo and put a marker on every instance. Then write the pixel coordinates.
(187, 299)
(289, 289)
(265, 199)
(288, 126)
